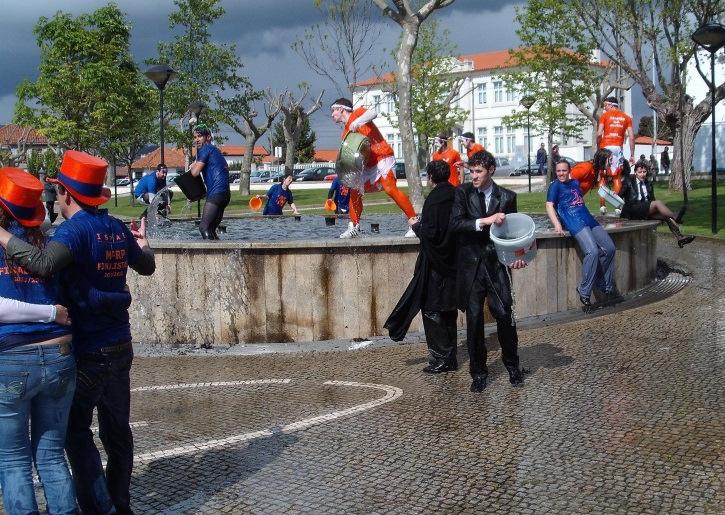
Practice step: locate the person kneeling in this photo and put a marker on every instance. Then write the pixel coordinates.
(640, 204)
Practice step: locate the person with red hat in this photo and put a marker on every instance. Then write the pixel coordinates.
(378, 174)
(91, 253)
(37, 369)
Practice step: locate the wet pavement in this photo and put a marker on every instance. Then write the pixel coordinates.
(621, 412)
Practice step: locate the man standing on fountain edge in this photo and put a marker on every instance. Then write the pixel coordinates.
(210, 163)
(91, 251)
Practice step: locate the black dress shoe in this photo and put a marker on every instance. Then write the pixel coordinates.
(515, 376)
(439, 368)
(479, 384)
(585, 301)
(685, 240)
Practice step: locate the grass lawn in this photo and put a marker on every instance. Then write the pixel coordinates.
(697, 220)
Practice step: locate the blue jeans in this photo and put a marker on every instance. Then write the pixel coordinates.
(36, 387)
(103, 383)
(598, 261)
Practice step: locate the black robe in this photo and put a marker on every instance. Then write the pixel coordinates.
(433, 283)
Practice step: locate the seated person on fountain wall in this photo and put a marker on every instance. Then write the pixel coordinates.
(640, 204)
(150, 185)
(567, 211)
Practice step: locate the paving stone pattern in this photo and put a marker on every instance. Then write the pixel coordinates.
(620, 413)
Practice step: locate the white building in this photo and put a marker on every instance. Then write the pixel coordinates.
(487, 100)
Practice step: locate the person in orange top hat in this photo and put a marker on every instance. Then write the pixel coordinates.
(35, 344)
(449, 155)
(92, 251)
(378, 174)
(614, 126)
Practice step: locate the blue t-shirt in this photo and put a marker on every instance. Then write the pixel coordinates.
(147, 184)
(342, 195)
(215, 171)
(95, 284)
(277, 197)
(568, 201)
(19, 284)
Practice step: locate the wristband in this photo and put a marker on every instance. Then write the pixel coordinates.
(53, 313)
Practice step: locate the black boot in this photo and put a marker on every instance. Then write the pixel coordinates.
(516, 378)
(682, 240)
(205, 234)
(680, 214)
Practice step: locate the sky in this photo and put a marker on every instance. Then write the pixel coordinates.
(263, 31)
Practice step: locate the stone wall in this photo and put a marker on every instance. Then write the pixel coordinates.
(236, 292)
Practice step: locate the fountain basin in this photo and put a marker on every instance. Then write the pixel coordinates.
(230, 292)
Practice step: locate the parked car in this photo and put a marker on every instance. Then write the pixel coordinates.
(330, 177)
(261, 176)
(317, 173)
(399, 169)
(522, 170)
(234, 176)
(568, 160)
(123, 181)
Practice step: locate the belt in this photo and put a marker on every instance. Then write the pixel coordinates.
(116, 348)
(63, 347)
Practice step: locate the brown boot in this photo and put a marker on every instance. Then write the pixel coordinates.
(675, 229)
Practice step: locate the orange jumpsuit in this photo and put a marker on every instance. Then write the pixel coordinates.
(584, 173)
(476, 147)
(450, 156)
(615, 124)
(378, 174)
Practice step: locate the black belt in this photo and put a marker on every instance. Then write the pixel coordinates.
(116, 348)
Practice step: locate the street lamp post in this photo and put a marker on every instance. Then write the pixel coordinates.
(711, 37)
(527, 102)
(160, 75)
(195, 108)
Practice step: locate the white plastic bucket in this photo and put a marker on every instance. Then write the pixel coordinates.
(514, 239)
(611, 197)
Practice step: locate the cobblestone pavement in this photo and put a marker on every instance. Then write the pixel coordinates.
(621, 413)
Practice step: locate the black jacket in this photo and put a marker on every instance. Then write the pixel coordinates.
(630, 190)
(475, 247)
(437, 252)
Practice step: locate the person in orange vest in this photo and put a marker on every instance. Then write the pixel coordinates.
(450, 156)
(469, 143)
(378, 174)
(614, 126)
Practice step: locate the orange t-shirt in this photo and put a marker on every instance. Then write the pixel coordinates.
(615, 125)
(451, 157)
(584, 173)
(379, 148)
(476, 147)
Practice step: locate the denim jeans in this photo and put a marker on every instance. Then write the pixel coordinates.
(598, 262)
(36, 387)
(103, 383)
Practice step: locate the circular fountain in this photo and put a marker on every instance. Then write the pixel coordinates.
(298, 282)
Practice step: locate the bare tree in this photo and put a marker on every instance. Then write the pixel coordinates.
(338, 48)
(294, 115)
(10, 158)
(410, 20)
(656, 31)
(242, 119)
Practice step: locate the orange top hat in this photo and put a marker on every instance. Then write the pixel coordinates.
(83, 176)
(20, 196)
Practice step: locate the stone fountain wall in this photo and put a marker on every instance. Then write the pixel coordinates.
(238, 292)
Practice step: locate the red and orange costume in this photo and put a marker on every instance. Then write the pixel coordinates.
(476, 147)
(584, 173)
(378, 174)
(452, 157)
(614, 125)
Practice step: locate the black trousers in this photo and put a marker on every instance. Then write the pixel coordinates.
(212, 215)
(441, 335)
(475, 338)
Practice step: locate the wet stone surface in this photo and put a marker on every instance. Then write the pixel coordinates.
(621, 413)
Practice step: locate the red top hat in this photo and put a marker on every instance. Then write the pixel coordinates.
(20, 196)
(83, 176)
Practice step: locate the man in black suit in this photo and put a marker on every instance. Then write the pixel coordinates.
(640, 203)
(478, 205)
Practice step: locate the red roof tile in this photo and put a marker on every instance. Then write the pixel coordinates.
(325, 155)
(238, 150)
(174, 158)
(12, 133)
(647, 140)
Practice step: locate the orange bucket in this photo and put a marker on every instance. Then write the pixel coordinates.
(330, 205)
(255, 203)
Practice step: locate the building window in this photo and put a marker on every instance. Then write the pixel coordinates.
(498, 140)
(483, 136)
(510, 141)
(391, 103)
(510, 95)
(481, 93)
(498, 91)
(376, 102)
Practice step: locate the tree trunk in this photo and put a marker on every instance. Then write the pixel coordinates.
(682, 168)
(249, 141)
(405, 118)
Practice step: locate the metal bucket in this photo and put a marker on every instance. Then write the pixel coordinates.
(354, 152)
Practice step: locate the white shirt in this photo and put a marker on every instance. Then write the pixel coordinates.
(487, 195)
(640, 189)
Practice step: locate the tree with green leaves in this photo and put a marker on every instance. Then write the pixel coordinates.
(205, 69)
(639, 35)
(646, 128)
(89, 91)
(553, 66)
(435, 88)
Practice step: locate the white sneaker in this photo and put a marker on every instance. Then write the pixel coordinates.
(617, 212)
(603, 210)
(353, 231)
(410, 233)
